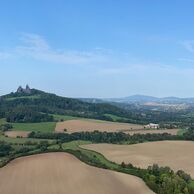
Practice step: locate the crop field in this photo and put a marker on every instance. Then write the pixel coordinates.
(63, 173)
(92, 125)
(176, 154)
(153, 131)
(43, 126)
(15, 134)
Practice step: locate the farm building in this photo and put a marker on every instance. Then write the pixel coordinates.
(152, 126)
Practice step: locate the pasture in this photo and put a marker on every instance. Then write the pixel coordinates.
(63, 173)
(178, 155)
(42, 127)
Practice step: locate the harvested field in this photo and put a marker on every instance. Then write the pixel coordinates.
(92, 125)
(78, 125)
(15, 134)
(179, 155)
(153, 131)
(62, 173)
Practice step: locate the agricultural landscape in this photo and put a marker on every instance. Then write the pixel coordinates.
(96, 97)
(99, 142)
(33, 174)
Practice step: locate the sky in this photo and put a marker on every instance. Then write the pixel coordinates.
(98, 48)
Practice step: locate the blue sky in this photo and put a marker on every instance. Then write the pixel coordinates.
(98, 48)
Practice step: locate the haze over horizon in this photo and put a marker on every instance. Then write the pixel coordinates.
(98, 48)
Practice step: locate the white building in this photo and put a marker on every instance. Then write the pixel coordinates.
(152, 126)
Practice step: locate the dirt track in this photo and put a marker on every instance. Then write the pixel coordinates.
(179, 155)
(62, 173)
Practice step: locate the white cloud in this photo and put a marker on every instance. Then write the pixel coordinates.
(105, 61)
(37, 47)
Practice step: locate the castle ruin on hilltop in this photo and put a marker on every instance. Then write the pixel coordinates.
(26, 90)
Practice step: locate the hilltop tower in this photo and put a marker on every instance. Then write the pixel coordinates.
(20, 89)
(28, 90)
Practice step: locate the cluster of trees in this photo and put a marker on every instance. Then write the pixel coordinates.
(163, 180)
(17, 107)
(112, 137)
(104, 137)
(25, 115)
(5, 149)
(5, 127)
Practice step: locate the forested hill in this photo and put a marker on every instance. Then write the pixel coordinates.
(31, 105)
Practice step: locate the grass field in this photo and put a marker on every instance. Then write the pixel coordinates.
(63, 173)
(114, 117)
(182, 131)
(92, 125)
(42, 127)
(175, 154)
(63, 117)
(2, 121)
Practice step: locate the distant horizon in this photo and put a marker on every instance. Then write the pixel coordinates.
(98, 48)
(131, 95)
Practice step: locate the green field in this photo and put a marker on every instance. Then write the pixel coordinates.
(182, 131)
(63, 117)
(192, 184)
(2, 121)
(42, 127)
(115, 118)
(96, 157)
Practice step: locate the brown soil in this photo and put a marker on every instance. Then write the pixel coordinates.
(154, 131)
(62, 173)
(92, 125)
(15, 134)
(179, 155)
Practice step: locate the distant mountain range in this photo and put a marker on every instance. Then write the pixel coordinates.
(143, 98)
(147, 101)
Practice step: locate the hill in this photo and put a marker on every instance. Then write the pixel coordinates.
(32, 105)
